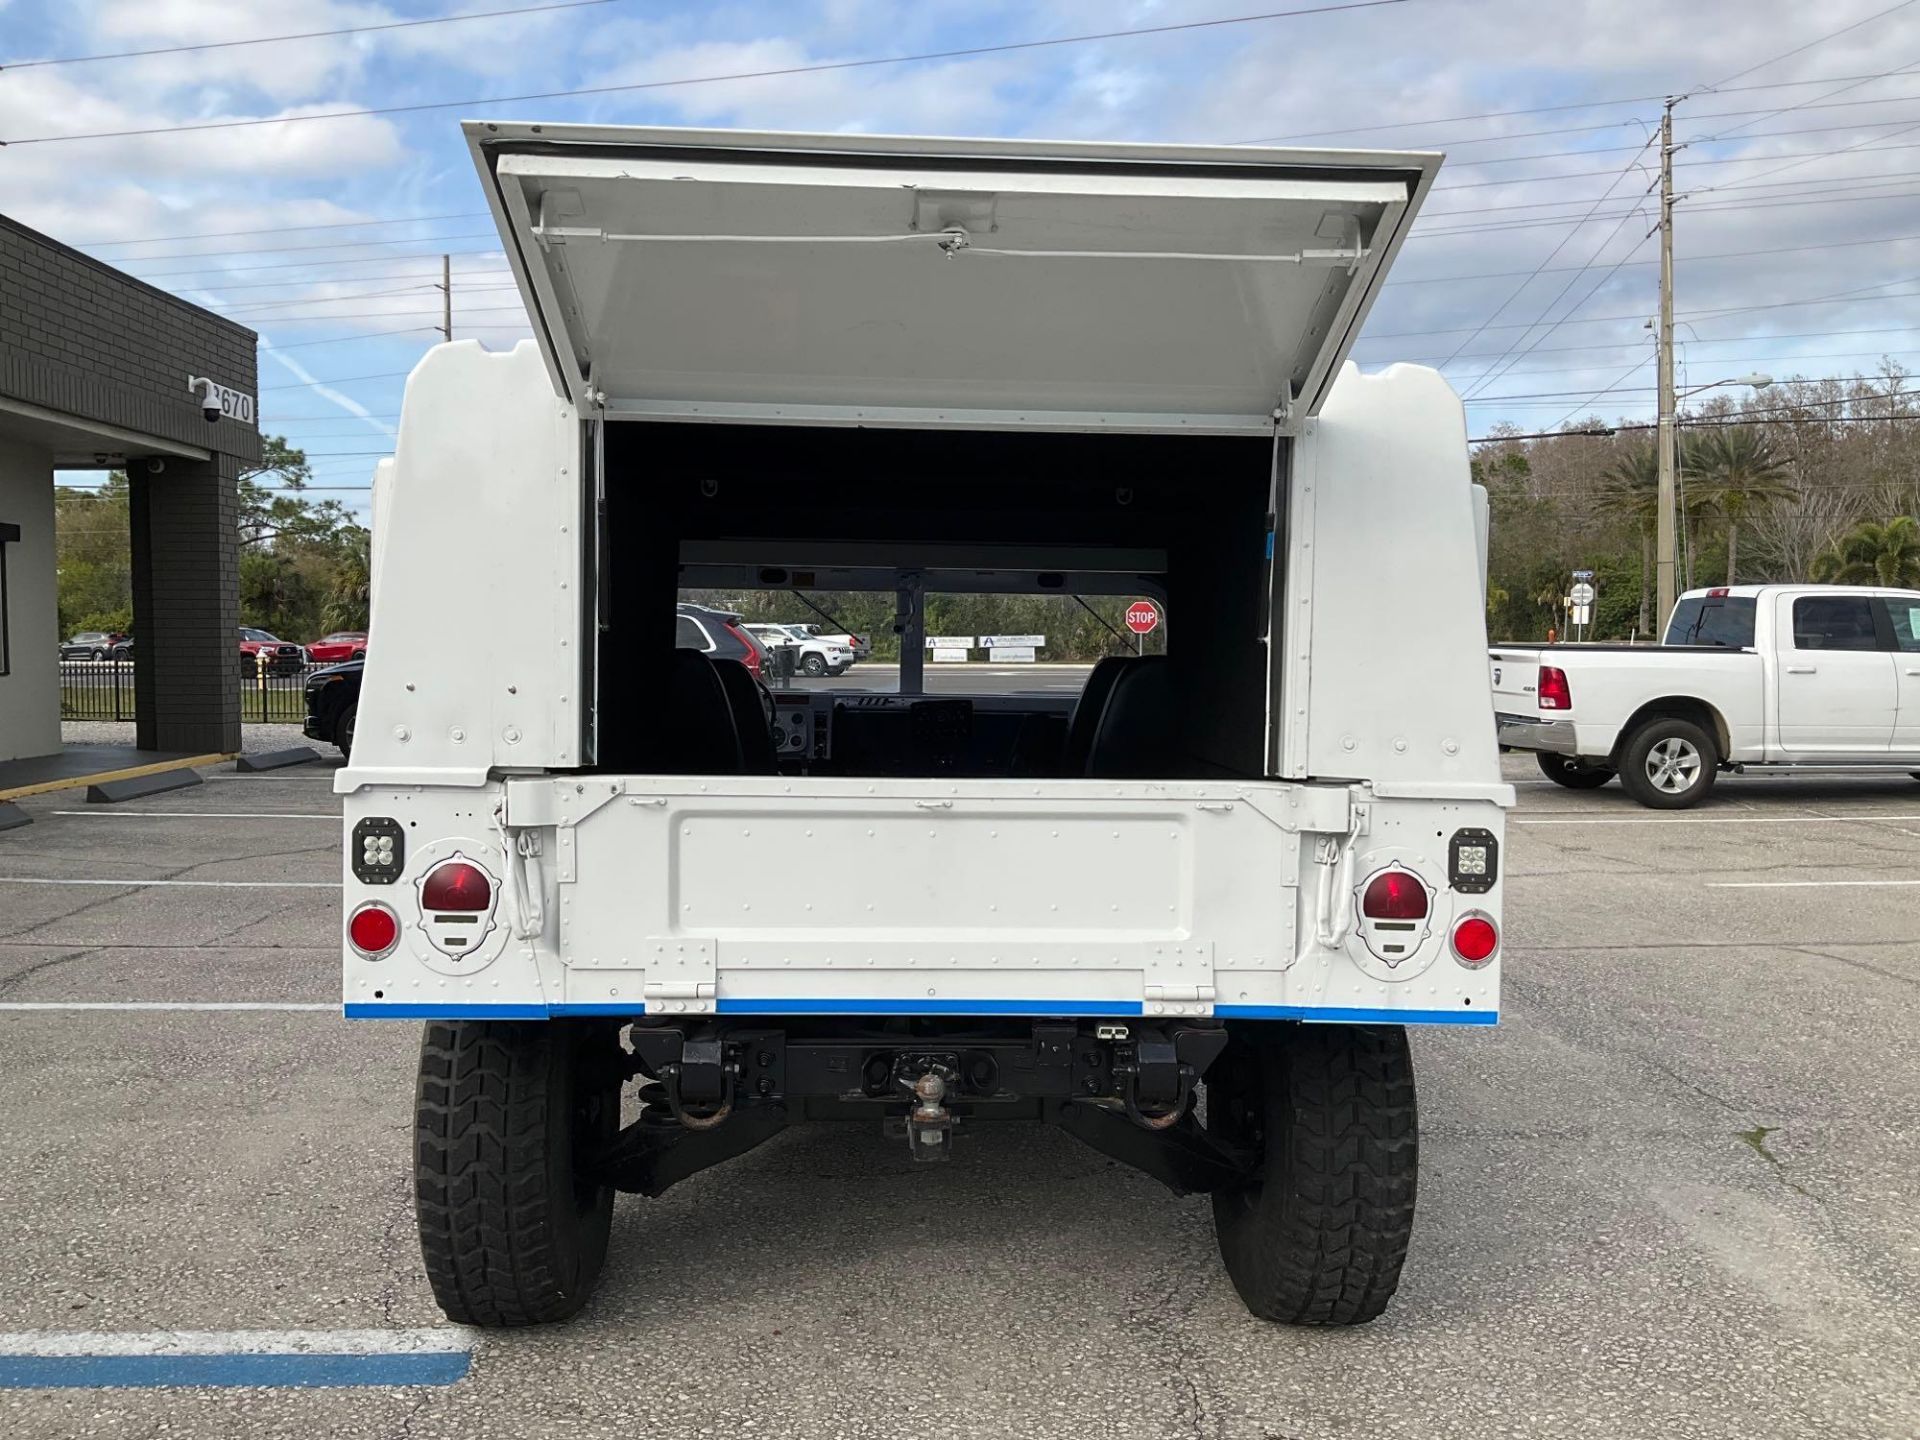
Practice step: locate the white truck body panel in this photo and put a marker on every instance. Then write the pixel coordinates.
(736, 276)
(667, 894)
(671, 895)
(1774, 704)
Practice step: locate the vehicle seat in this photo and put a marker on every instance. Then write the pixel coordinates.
(1133, 738)
(697, 730)
(750, 720)
(1087, 710)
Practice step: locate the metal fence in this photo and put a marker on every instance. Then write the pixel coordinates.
(103, 690)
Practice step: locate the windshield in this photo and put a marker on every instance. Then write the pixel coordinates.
(1725, 620)
(972, 643)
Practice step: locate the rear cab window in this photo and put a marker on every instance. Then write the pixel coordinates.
(1725, 620)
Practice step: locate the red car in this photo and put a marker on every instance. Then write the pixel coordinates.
(340, 645)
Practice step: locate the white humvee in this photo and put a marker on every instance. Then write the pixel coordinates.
(591, 860)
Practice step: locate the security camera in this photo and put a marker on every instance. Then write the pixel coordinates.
(209, 394)
(156, 466)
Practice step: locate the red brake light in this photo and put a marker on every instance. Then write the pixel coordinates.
(1394, 895)
(457, 886)
(1718, 593)
(755, 650)
(373, 930)
(1553, 692)
(1475, 939)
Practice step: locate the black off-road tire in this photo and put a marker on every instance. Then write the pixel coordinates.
(1643, 749)
(1320, 1236)
(343, 730)
(1563, 770)
(815, 665)
(510, 1233)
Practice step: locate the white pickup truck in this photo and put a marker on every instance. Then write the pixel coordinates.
(1749, 676)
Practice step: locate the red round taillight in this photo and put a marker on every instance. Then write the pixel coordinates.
(457, 885)
(1475, 939)
(374, 930)
(1394, 895)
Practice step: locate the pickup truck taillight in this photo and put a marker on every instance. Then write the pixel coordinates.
(1552, 693)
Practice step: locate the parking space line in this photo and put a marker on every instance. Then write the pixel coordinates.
(208, 1005)
(303, 1359)
(1854, 819)
(193, 815)
(214, 884)
(1802, 884)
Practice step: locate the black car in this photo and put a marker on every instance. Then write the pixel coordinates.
(333, 704)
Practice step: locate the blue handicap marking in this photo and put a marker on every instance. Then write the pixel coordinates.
(295, 1359)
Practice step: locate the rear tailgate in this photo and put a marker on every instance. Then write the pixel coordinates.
(1515, 674)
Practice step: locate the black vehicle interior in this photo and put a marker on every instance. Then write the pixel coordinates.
(788, 499)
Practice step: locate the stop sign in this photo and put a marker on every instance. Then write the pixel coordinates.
(1143, 616)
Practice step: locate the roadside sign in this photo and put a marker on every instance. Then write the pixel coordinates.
(948, 655)
(1582, 594)
(1583, 574)
(1017, 654)
(1582, 614)
(1143, 617)
(949, 642)
(1004, 642)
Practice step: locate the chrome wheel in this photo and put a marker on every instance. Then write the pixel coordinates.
(1673, 765)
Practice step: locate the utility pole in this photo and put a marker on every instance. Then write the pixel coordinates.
(1665, 532)
(445, 287)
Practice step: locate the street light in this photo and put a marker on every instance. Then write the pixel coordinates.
(1756, 380)
(1666, 551)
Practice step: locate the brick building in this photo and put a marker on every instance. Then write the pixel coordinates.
(95, 372)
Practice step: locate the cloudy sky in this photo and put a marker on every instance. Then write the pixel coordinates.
(1528, 278)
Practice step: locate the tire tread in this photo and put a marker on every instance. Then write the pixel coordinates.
(1324, 1241)
(497, 1236)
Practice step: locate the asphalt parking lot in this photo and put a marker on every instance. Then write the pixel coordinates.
(1675, 1192)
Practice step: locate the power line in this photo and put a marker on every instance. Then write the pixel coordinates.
(822, 67)
(297, 249)
(347, 380)
(1690, 259)
(303, 35)
(1802, 49)
(1554, 109)
(322, 264)
(361, 224)
(1698, 425)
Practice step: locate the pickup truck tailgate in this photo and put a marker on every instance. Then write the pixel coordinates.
(1515, 676)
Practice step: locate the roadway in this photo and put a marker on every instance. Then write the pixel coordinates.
(1672, 1193)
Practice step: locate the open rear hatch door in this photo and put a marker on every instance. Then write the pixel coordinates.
(833, 279)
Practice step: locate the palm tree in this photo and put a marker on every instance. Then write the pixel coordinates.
(1631, 491)
(1873, 553)
(1737, 470)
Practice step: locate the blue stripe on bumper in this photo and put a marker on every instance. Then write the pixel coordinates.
(1322, 1014)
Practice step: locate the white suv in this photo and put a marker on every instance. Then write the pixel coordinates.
(819, 654)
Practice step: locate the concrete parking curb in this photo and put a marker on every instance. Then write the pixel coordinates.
(132, 787)
(276, 759)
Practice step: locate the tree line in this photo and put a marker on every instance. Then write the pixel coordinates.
(1803, 480)
(303, 561)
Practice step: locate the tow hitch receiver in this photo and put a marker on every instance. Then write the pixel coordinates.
(929, 1123)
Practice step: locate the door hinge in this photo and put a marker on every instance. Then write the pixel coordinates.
(681, 976)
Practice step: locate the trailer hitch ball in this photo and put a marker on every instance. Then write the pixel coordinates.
(929, 1123)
